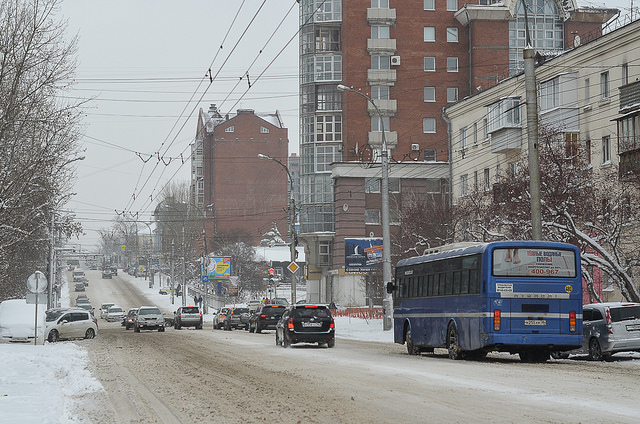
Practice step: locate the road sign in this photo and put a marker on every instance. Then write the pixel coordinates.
(33, 298)
(37, 282)
(293, 267)
(205, 278)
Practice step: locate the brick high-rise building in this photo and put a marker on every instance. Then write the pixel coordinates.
(412, 59)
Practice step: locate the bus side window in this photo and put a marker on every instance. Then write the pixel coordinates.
(430, 285)
(421, 286)
(464, 284)
(414, 287)
(474, 284)
(456, 282)
(448, 287)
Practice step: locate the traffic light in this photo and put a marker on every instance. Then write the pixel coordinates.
(272, 274)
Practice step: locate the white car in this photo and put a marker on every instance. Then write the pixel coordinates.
(71, 323)
(104, 308)
(114, 313)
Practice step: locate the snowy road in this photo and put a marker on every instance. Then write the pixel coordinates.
(208, 376)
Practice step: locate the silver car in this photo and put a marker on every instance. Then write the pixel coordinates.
(608, 328)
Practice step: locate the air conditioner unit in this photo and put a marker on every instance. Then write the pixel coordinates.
(415, 147)
(395, 60)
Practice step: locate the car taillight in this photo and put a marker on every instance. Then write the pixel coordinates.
(333, 323)
(263, 315)
(200, 315)
(572, 321)
(496, 320)
(607, 316)
(290, 324)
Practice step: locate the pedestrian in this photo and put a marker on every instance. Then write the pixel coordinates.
(195, 300)
(200, 301)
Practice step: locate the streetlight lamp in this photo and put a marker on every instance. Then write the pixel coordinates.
(292, 224)
(386, 233)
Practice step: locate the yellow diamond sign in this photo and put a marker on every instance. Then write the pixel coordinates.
(293, 267)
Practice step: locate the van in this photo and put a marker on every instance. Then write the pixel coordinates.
(78, 276)
(608, 328)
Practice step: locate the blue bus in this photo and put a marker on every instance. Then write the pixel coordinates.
(521, 297)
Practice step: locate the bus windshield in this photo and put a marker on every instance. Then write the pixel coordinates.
(534, 262)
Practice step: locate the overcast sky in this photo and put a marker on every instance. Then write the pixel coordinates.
(143, 64)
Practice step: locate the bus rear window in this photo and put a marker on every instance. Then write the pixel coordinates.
(534, 263)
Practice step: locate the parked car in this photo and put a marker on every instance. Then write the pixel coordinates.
(265, 318)
(79, 287)
(608, 328)
(17, 322)
(234, 318)
(306, 324)
(104, 308)
(187, 316)
(114, 313)
(148, 318)
(106, 273)
(127, 321)
(71, 323)
(218, 319)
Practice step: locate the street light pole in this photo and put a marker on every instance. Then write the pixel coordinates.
(386, 232)
(291, 209)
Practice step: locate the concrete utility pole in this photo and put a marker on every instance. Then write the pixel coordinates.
(529, 55)
(172, 274)
(291, 211)
(387, 304)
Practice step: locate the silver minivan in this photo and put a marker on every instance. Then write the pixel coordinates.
(608, 328)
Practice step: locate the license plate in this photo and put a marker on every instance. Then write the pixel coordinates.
(312, 324)
(535, 322)
(633, 327)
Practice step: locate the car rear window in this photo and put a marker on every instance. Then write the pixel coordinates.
(625, 313)
(272, 310)
(190, 310)
(240, 311)
(150, 311)
(311, 312)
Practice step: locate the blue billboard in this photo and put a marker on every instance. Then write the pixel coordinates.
(362, 254)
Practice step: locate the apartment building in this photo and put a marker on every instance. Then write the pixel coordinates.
(412, 59)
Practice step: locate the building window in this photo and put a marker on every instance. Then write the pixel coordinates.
(587, 92)
(379, 31)
(625, 73)
(372, 185)
(452, 64)
(380, 92)
(434, 186)
(429, 94)
(394, 185)
(588, 149)
(475, 133)
(429, 155)
(325, 156)
(452, 94)
(328, 10)
(380, 62)
(264, 130)
(604, 85)
(464, 185)
(328, 97)
(429, 4)
(376, 122)
(372, 216)
(487, 185)
(430, 64)
(606, 150)
(429, 33)
(463, 138)
(230, 129)
(328, 128)
(394, 217)
(429, 125)
(452, 35)
(379, 4)
(324, 253)
(328, 68)
(327, 39)
(452, 5)
(628, 134)
(503, 114)
(514, 167)
(550, 94)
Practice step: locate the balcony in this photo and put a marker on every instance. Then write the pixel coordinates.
(381, 77)
(375, 139)
(386, 107)
(630, 97)
(506, 140)
(381, 46)
(377, 16)
(629, 166)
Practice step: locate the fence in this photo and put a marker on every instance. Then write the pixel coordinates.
(362, 312)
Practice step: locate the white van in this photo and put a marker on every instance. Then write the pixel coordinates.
(17, 321)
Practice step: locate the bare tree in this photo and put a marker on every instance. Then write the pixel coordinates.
(38, 136)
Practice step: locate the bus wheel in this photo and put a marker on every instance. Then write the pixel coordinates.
(411, 349)
(452, 343)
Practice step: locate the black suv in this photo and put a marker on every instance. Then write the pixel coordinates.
(266, 318)
(187, 316)
(236, 318)
(306, 324)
